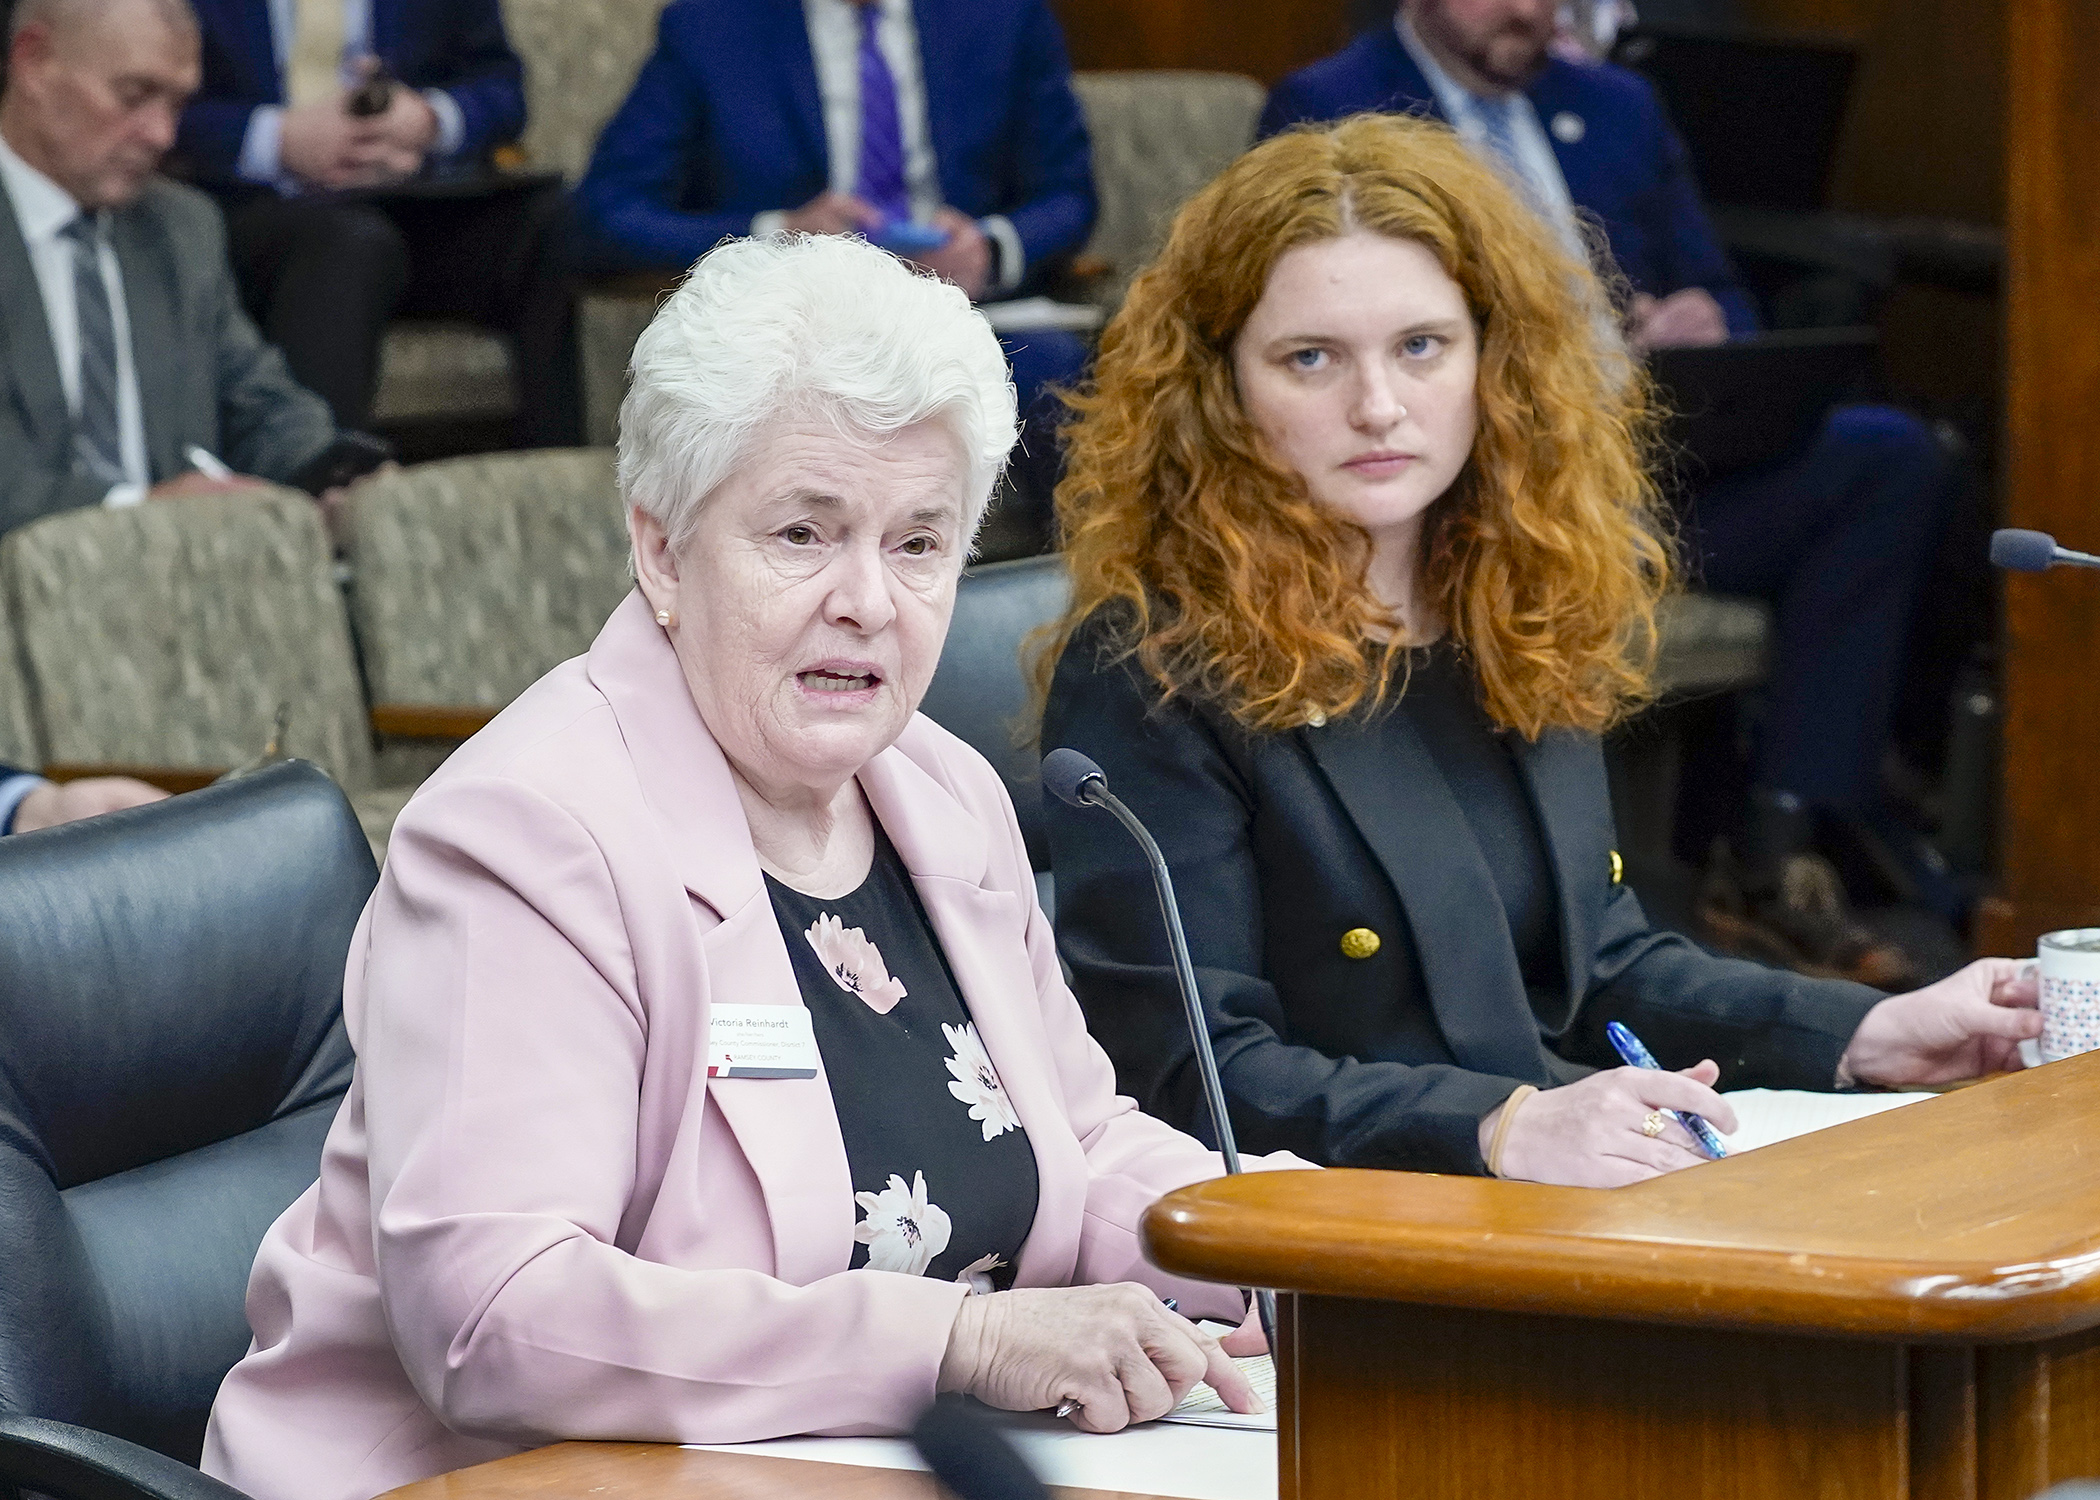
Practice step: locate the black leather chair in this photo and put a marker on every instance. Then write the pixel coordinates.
(171, 1055)
(981, 691)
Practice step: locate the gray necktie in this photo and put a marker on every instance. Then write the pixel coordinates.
(95, 438)
(1498, 121)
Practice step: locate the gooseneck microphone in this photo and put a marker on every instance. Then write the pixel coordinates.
(971, 1457)
(1074, 779)
(2035, 552)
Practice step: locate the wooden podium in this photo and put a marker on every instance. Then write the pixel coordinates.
(1907, 1306)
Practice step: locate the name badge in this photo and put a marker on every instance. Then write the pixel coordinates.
(760, 1041)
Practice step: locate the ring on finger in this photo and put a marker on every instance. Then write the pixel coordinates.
(1654, 1123)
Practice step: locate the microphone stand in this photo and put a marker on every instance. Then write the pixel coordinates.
(1094, 789)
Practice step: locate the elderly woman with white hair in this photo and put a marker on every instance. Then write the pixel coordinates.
(715, 1077)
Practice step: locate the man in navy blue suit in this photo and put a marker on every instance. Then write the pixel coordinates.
(322, 127)
(1837, 537)
(944, 129)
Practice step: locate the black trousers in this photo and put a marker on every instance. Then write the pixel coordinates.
(1838, 540)
(323, 276)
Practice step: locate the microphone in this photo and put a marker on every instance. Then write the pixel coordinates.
(971, 1457)
(1075, 780)
(2035, 552)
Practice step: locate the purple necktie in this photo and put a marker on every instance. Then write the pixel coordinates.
(881, 180)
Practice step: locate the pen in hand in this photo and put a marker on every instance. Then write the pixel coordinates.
(1629, 1048)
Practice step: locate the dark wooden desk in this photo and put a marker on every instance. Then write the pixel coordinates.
(660, 1471)
(1907, 1307)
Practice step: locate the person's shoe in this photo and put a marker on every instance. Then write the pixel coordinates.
(1800, 921)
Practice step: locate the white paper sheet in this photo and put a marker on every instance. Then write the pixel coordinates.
(1159, 1458)
(1767, 1116)
(1202, 1408)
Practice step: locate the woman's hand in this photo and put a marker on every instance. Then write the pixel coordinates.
(1971, 1022)
(1588, 1134)
(1116, 1350)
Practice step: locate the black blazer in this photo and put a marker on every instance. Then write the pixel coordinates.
(1282, 843)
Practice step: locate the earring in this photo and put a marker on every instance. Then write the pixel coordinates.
(664, 618)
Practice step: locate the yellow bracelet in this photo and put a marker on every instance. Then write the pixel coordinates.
(1509, 1112)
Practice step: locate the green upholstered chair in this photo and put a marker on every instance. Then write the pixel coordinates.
(21, 744)
(1158, 136)
(169, 635)
(475, 576)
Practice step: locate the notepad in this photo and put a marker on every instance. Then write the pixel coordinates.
(1768, 1116)
(1024, 313)
(1202, 1408)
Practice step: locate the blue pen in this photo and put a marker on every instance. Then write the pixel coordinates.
(1629, 1047)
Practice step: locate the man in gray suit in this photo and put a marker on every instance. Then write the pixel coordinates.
(123, 346)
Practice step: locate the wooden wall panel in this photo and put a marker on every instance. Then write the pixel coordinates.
(1264, 39)
(1928, 118)
(2051, 871)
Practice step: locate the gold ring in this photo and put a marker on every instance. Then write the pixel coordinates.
(1654, 1124)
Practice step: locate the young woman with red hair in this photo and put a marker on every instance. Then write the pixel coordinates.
(1366, 556)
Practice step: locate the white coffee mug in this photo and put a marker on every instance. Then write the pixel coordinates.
(2070, 964)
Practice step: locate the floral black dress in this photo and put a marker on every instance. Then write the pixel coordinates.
(944, 1178)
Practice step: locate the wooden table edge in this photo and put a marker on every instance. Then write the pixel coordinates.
(1956, 1220)
(1735, 1288)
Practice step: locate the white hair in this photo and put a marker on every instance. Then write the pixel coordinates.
(800, 326)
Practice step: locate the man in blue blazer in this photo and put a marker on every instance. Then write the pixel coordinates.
(332, 226)
(1837, 537)
(946, 129)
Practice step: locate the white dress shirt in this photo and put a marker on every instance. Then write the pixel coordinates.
(1536, 164)
(834, 46)
(262, 147)
(43, 208)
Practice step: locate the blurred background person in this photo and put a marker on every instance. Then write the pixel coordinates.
(1837, 538)
(1365, 555)
(127, 346)
(349, 143)
(539, 1215)
(944, 129)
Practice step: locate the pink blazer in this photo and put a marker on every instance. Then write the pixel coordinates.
(537, 1218)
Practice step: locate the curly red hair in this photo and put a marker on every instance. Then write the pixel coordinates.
(1547, 557)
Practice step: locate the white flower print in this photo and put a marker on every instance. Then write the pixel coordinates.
(977, 1081)
(903, 1232)
(854, 964)
(977, 1275)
